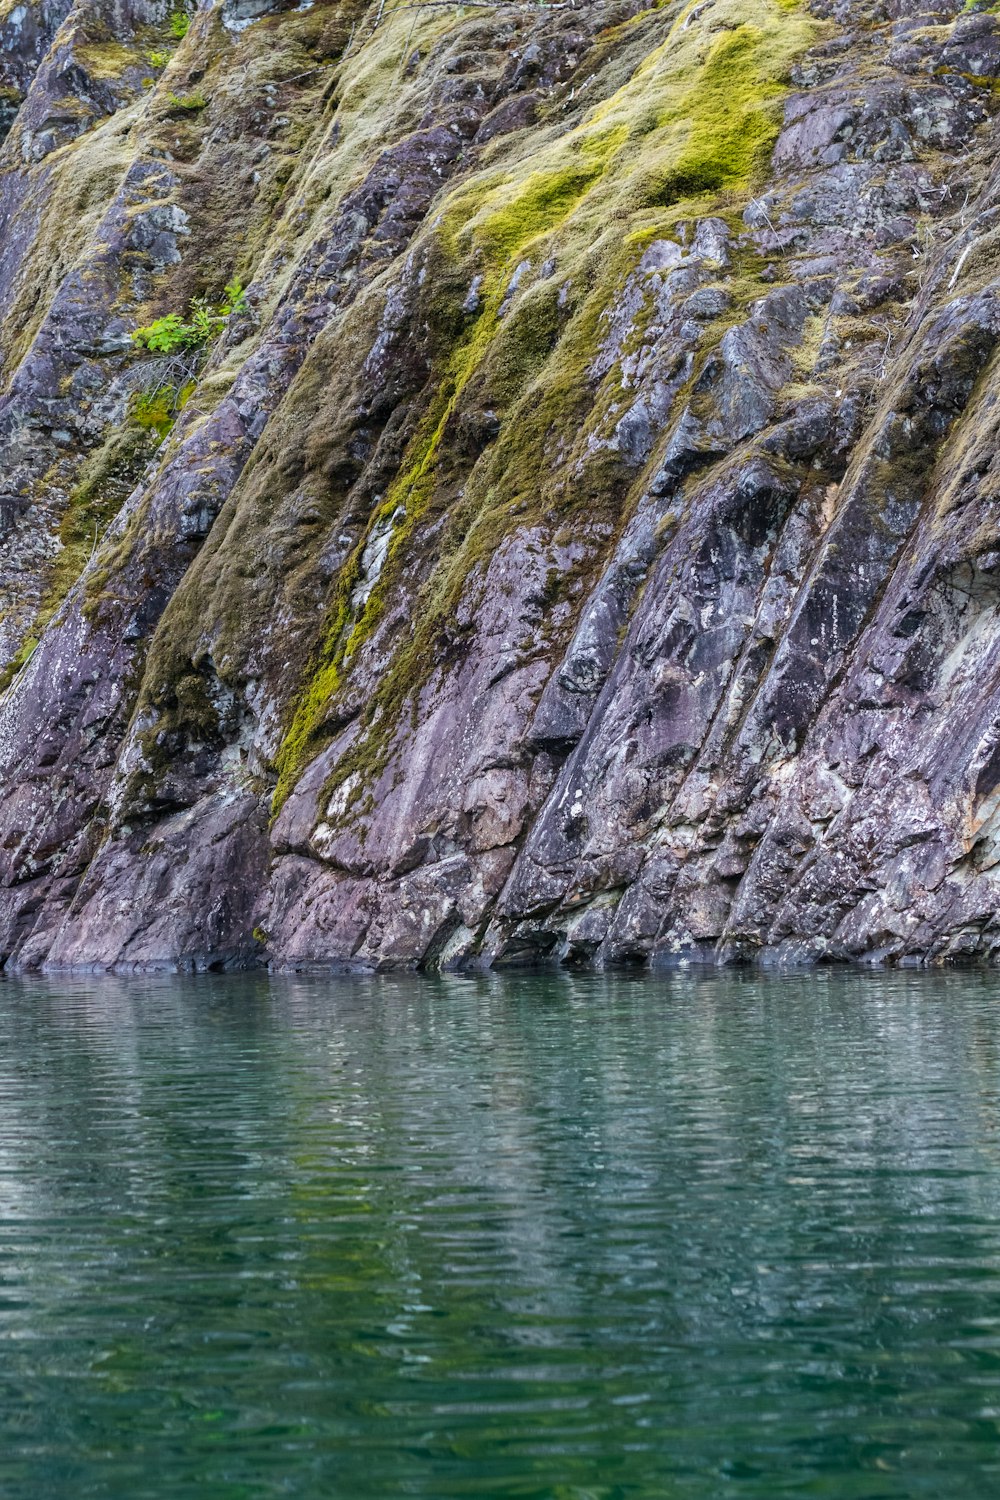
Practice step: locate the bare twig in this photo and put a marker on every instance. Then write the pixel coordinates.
(406, 50)
(883, 366)
(296, 77)
(777, 248)
(960, 263)
(693, 15)
(541, 5)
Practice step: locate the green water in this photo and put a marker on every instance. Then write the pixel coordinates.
(701, 1237)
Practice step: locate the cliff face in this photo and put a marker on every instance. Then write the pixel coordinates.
(580, 540)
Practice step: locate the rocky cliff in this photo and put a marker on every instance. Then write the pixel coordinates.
(574, 532)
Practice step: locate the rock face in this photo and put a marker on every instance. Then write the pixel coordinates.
(579, 543)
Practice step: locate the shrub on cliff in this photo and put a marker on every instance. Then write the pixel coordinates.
(171, 334)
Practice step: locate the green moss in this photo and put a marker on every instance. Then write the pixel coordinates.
(695, 120)
(698, 116)
(14, 666)
(731, 125)
(542, 202)
(231, 216)
(344, 635)
(107, 59)
(157, 410)
(106, 481)
(188, 103)
(681, 133)
(498, 357)
(500, 362)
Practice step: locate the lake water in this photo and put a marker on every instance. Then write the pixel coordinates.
(704, 1236)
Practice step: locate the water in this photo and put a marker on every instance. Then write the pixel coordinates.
(557, 1237)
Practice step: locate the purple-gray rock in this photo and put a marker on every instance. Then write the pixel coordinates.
(574, 540)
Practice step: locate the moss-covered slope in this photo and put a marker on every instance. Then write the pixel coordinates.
(571, 534)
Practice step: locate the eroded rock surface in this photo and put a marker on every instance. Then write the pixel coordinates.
(581, 541)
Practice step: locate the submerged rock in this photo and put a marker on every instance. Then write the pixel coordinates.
(571, 535)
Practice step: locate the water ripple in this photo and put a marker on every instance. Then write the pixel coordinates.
(703, 1237)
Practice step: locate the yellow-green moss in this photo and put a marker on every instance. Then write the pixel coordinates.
(14, 666)
(412, 492)
(157, 410)
(106, 59)
(679, 132)
(229, 213)
(698, 116)
(188, 102)
(106, 480)
(694, 122)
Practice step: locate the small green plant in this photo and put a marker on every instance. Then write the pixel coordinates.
(166, 335)
(187, 101)
(172, 335)
(157, 59)
(234, 298)
(180, 24)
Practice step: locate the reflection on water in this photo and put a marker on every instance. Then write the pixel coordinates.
(706, 1236)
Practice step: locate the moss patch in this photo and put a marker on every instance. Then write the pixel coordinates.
(105, 482)
(695, 120)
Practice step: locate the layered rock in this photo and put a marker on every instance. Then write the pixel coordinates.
(580, 544)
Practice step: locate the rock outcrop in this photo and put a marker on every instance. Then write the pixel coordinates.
(574, 533)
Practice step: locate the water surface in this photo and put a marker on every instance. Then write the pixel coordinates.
(704, 1236)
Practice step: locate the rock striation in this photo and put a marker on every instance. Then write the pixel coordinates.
(575, 537)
